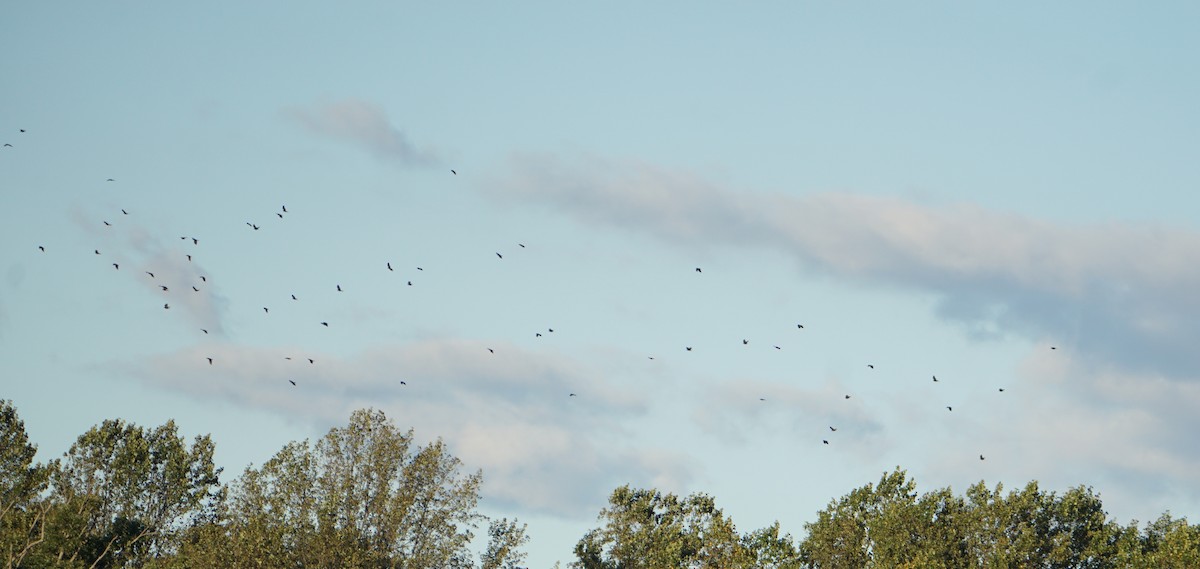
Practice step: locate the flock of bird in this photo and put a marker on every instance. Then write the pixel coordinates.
(196, 287)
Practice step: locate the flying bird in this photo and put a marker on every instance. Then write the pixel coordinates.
(116, 266)
(420, 269)
(689, 348)
(195, 241)
(499, 255)
(97, 251)
(847, 397)
(801, 326)
(491, 350)
(409, 283)
(339, 287)
(389, 266)
(203, 278)
(949, 408)
(110, 180)
(107, 224)
(935, 378)
(453, 172)
(403, 383)
(870, 366)
(310, 360)
(203, 330)
(209, 361)
(745, 341)
(164, 287)
(42, 248)
(265, 310)
(824, 441)
(325, 324)
(189, 258)
(522, 245)
(698, 270)
(538, 334)
(571, 395)
(778, 348)
(1001, 390)
(981, 457)
(124, 212)
(293, 297)
(550, 329)
(195, 289)
(166, 307)
(1053, 347)
(832, 429)
(279, 214)
(292, 381)
(150, 273)
(7, 145)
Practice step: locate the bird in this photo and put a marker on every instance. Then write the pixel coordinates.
(287, 357)
(689, 348)
(97, 251)
(325, 324)
(1053, 347)
(389, 266)
(935, 378)
(195, 241)
(571, 395)
(778, 348)
(195, 289)
(409, 283)
(116, 266)
(871, 366)
(833, 429)
(292, 381)
(453, 172)
(403, 382)
(203, 330)
(981, 457)
(189, 258)
(285, 209)
(293, 297)
(42, 248)
(7, 145)
(166, 307)
(521, 245)
(339, 287)
(266, 310)
(279, 214)
(107, 224)
(310, 360)
(538, 334)
(800, 326)
(124, 212)
(21, 129)
(824, 441)
(745, 341)
(1001, 390)
(551, 330)
(698, 270)
(203, 278)
(150, 273)
(847, 397)
(420, 269)
(491, 350)
(499, 255)
(762, 398)
(164, 287)
(209, 361)
(949, 408)
(255, 227)
(110, 180)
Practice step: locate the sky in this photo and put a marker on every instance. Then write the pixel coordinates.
(998, 195)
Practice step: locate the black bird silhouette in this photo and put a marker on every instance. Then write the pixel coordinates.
(689, 348)
(97, 251)
(284, 209)
(164, 287)
(389, 266)
(116, 266)
(110, 180)
(203, 278)
(571, 395)
(1001, 390)
(762, 398)
(522, 245)
(491, 350)
(870, 366)
(550, 329)
(325, 324)
(538, 334)
(21, 129)
(150, 273)
(42, 248)
(949, 408)
(293, 297)
(291, 381)
(698, 270)
(255, 227)
(651, 357)
(195, 289)
(339, 287)
(832, 429)
(107, 224)
(124, 212)
(195, 241)
(778, 348)
(745, 341)
(824, 441)
(265, 310)
(209, 361)
(453, 172)
(279, 214)
(7, 145)
(981, 457)
(420, 269)
(847, 397)
(1053, 348)
(409, 283)
(310, 360)
(203, 330)
(403, 383)
(189, 258)
(935, 378)
(499, 255)
(166, 307)
(801, 326)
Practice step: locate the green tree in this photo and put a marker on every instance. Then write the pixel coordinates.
(22, 508)
(123, 494)
(649, 529)
(366, 495)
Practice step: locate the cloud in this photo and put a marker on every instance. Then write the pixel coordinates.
(366, 125)
(508, 413)
(1121, 293)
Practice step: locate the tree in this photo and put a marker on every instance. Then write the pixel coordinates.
(365, 495)
(22, 509)
(646, 528)
(123, 494)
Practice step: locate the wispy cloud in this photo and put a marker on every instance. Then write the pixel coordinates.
(508, 413)
(366, 125)
(1121, 293)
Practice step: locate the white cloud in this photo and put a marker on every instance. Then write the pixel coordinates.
(508, 413)
(366, 125)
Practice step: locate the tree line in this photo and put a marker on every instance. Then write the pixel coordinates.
(366, 495)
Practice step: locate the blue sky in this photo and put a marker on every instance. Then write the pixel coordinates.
(942, 189)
